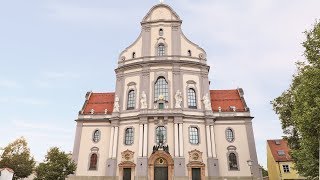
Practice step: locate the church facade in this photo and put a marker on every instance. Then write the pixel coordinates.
(163, 122)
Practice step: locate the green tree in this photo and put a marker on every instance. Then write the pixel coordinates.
(299, 108)
(57, 165)
(17, 157)
(264, 172)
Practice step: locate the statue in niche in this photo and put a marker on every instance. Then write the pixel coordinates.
(143, 100)
(207, 102)
(116, 104)
(178, 98)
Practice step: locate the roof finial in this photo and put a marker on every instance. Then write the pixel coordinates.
(161, 1)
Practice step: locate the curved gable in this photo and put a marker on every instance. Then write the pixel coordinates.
(161, 12)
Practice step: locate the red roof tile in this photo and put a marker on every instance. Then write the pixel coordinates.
(225, 99)
(99, 102)
(283, 145)
(219, 98)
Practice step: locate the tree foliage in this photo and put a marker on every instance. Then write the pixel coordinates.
(264, 172)
(299, 108)
(57, 165)
(17, 157)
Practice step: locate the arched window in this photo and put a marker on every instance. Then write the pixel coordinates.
(93, 161)
(128, 140)
(160, 32)
(189, 53)
(131, 100)
(161, 89)
(194, 135)
(229, 135)
(161, 134)
(96, 136)
(161, 49)
(192, 100)
(233, 163)
(133, 55)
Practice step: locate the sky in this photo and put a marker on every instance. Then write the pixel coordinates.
(53, 51)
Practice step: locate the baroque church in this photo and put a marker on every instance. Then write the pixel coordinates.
(163, 122)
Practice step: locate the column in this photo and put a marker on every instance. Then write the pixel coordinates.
(181, 139)
(140, 140)
(213, 142)
(176, 141)
(145, 140)
(209, 150)
(115, 142)
(111, 142)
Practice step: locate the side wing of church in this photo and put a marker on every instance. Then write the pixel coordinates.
(163, 122)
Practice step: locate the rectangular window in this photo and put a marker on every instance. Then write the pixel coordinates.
(286, 168)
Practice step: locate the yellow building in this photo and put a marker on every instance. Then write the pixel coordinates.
(280, 163)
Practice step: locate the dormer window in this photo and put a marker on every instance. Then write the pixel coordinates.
(161, 49)
(160, 32)
(281, 152)
(133, 55)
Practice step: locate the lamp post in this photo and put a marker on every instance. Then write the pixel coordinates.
(250, 163)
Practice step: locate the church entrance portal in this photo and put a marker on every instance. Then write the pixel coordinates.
(161, 169)
(160, 166)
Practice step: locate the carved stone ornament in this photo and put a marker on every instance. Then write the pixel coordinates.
(127, 155)
(116, 104)
(207, 102)
(201, 56)
(178, 98)
(195, 155)
(143, 100)
(123, 58)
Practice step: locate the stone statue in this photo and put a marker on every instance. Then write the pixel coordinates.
(143, 100)
(178, 98)
(207, 102)
(116, 104)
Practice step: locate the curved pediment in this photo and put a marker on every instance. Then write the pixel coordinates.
(161, 12)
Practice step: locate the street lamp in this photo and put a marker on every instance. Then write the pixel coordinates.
(250, 163)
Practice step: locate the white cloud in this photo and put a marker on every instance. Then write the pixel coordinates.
(6, 83)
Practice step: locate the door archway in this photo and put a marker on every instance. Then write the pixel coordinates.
(160, 161)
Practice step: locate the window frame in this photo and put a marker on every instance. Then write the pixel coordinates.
(161, 52)
(94, 134)
(233, 134)
(287, 169)
(97, 161)
(131, 101)
(161, 32)
(233, 149)
(193, 101)
(156, 92)
(189, 53)
(125, 136)
(198, 134)
(156, 134)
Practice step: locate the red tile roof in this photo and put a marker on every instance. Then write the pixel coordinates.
(225, 99)
(283, 145)
(219, 98)
(99, 102)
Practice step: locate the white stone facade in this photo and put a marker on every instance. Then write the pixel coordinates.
(151, 74)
